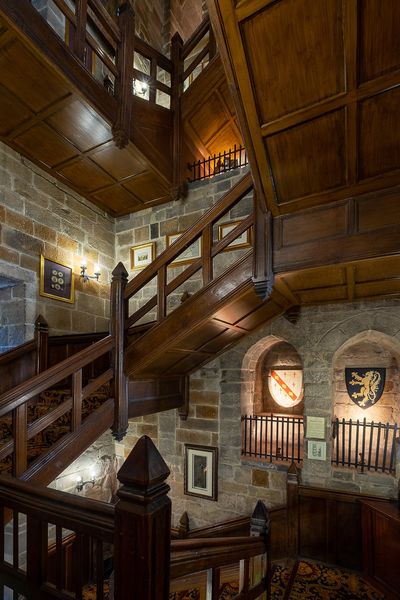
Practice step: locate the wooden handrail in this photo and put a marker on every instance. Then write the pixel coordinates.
(187, 238)
(17, 352)
(25, 391)
(196, 36)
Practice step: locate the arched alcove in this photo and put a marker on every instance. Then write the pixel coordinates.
(272, 402)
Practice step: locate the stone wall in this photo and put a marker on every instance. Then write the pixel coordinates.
(38, 215)
(215, 408)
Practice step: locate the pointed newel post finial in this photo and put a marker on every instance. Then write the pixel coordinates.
(142, 526)
(119, 310)
(183, 528)
(259, 522)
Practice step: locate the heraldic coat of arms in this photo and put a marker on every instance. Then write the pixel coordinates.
(365, 385)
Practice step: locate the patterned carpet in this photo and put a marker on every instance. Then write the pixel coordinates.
(302, 580)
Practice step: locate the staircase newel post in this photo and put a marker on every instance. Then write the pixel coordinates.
(179, 187)
(263, 275)
(142, 538)
(260, 526)
(42, 340)
(117, 329)
(124, 83)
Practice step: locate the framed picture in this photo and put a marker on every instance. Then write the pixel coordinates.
(189, 255)
(242, 241)
(201, 471)
(142, 255)
(56, 280)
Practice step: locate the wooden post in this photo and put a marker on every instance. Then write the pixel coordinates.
(124, 84)
(80, 33)
(263, 276)
(179, 186)
(184, 388)
(42, 341)
(292, 494)
(142, 526)
(183, 528)
(117, 330)
(260, 526)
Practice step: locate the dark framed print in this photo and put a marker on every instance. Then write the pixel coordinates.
(56, 280)
(201, 471)
(242, 241)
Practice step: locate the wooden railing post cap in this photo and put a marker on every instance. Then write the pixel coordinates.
(41, 323)
(293, 473)
(144, 468)
(120, 272)
(177, 39)
(259, 522)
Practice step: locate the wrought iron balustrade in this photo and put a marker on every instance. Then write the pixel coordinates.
(218, 163)
(273, 437)
(365, 446)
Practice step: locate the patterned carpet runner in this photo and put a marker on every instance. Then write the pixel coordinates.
(302, 580)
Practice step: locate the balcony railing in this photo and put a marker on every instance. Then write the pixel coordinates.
(218, 163)
(365, 446)
(273, 437)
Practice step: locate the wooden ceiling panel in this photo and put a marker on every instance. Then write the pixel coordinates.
(236, 311)
(127, 165)
(45, 145)
(80, 124)
(327, 294)
(267, 311)
(316, 278)
(85, 175)
(147, 187)
(209, 118)
(376, 211)
(379, 47)
(377, 269)
(379, 134)
(119, 200)
(226, 138)
(372, 289)
(310, 158)
(28, 78)
(314, 45)
(209, 331)
(12, 112)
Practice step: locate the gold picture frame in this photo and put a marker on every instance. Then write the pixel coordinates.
(189, 255)
(242, 241)
(56, 280)
(142, 255)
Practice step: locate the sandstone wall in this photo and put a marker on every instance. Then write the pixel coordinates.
(38, 215)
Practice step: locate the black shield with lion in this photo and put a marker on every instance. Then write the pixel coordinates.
(365, 385)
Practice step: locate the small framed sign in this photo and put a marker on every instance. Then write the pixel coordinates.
(142, 256)
(56, 280)
(201, 476)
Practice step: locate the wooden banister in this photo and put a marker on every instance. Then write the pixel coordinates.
(119, 309)
(28, 389)
(187, 238)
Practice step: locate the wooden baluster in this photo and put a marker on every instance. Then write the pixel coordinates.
(123, 85)
(206, 245)
(263, 276)
(35, 550)
(117, 329)
(76, 399)
(179, 186)
(261, 565)
(153, 80)
(184, 390)
(161, 298)
(142, 526)
(42, 343)
(244, 577)
(80, 33)
(292, 495)
(213, 584)
(20, 434)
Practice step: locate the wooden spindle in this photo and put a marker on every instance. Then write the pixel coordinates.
(213, 584)
(206, 246)
(76, 399)
(179, 186)
(124, 81)
(80, 32)
(20, 434)
(142, 526)
(117, 330)
(42, 340)
(161, 291)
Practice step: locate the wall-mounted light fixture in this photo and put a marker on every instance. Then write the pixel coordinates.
(80, 483)
(140, 87)
(84, 274)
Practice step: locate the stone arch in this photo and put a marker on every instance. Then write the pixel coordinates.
(253, 390)
(368, 348)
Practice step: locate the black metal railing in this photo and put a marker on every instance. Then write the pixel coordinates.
(365, 446)
(218, 163)
(273, 437)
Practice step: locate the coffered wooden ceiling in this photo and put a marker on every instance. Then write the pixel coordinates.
(317, 88)
(63, 124)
